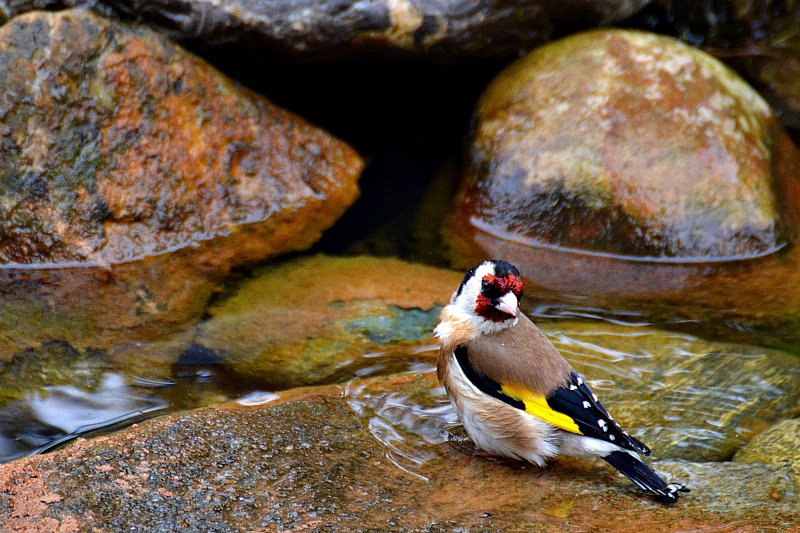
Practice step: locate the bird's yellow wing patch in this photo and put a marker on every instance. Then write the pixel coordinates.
(537, 406)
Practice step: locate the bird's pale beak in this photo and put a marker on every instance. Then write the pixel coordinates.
(508, 304)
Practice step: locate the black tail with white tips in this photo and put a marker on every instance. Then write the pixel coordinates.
(644, 477)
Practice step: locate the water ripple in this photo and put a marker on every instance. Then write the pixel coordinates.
(407, 424)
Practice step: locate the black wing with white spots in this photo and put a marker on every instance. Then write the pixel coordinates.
(577, 401)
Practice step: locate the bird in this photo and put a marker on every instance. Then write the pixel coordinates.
(515, 393)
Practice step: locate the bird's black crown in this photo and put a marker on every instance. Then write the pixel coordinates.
(501, 269)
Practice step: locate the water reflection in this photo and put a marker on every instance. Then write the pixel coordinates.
(257, 398)
(686, 397)
(625, 318)
(55, 415)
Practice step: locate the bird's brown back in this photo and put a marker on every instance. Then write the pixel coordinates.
(520, 355)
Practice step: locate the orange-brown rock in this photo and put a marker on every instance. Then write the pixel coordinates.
(630, 167)
(758, 39)
(123, 153)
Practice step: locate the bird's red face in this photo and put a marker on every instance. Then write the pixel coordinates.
(499, 297)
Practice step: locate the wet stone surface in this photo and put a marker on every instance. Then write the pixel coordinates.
(442, 31)
(624, 143)
(322, 319)
(757, 39)
(136, 147)
(780, 444)
(239, 469)
(135, 176)
(309, 461)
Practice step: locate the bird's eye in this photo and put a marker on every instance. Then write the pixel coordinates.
(485, 286)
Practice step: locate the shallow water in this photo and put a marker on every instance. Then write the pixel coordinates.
(679, 393)
(52, 416)
(686, 397)
(38, 419)
(701, 399)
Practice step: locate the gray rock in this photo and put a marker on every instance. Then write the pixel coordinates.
(310, 461)
(439, 30)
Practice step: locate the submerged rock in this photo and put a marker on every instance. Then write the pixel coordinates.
(685, 397)
(631, 167)
(321, 319)
(134, 176)
(309, 460)
(780, 444)
(52, 364)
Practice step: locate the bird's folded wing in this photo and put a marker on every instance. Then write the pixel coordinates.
(577, 403)
(539, 407)
(573, 407)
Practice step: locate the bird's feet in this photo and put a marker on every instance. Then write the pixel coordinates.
(467, 447)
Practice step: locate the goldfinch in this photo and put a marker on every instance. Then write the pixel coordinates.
(516, 395)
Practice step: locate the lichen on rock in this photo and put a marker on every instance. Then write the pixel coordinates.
(119, 145)
(318, 319)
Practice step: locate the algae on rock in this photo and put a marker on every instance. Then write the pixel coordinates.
(321, 319)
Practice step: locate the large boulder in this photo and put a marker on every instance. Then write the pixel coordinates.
(436, 30)
(630, 167)
(134, 176)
